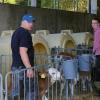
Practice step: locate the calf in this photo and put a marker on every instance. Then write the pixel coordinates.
(46, 79)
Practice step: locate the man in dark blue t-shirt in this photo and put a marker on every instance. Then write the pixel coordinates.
(23, 52)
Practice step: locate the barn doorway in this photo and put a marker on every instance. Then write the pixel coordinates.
(40, 54)
(69, 45)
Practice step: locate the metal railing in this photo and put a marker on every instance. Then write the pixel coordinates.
(57, 89)
(14, 87)
(1, 88)
(42, 84)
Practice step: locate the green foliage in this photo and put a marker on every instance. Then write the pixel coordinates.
(69, 5)
(46, 3)
(22, 2)
(74, 5)
(82, 5)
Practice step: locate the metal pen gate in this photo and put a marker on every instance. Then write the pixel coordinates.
(47, 85)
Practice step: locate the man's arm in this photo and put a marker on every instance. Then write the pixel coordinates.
(25, 60)
(24, 57)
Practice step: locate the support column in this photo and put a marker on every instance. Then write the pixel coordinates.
(33, 3)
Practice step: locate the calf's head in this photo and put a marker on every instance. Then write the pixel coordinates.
(55, 74)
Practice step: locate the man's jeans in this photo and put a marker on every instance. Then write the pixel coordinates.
(23, 85)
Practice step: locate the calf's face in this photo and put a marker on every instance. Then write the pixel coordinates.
(55, 74)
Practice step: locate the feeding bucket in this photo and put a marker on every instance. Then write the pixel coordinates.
(69, 69)
(84, 62)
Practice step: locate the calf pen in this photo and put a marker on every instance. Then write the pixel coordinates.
(61, 89)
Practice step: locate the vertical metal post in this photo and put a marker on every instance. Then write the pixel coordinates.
(72, 89)
(28, 3)
(67, 89)
(1, 88)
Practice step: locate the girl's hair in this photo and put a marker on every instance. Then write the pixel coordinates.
(97, 19)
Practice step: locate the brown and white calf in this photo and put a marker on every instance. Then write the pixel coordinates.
(47, 79)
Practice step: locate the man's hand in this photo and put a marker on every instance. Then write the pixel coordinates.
(30, 73)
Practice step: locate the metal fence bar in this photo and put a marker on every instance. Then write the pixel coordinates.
(1, 88)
